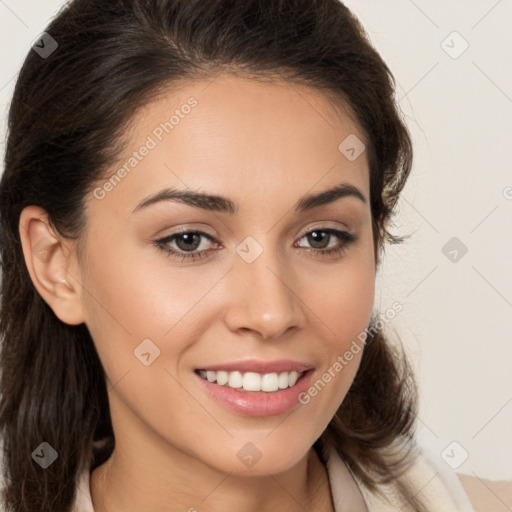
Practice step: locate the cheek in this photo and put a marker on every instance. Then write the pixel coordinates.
(342, 298)
(343, 305)
(133, 295)
(142, 318)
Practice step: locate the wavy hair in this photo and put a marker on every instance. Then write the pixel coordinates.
(66, 123)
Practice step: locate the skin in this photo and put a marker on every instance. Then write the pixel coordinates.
(264, 146)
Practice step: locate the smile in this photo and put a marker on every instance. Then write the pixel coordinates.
(252, 381)
(243, 391)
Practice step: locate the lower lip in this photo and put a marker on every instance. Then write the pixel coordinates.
(258, 403)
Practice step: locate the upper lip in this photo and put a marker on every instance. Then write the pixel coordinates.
(258, 366)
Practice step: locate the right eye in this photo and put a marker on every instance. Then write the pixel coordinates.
(186, 245)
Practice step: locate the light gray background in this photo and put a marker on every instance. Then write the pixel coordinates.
(456, 321)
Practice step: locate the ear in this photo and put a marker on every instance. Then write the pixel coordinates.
(51, 264)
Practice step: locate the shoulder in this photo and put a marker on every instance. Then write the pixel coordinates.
(427, 477)
(430, 479)
(486, 494)
(436, 482)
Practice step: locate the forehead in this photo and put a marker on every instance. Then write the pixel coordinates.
(241, 137)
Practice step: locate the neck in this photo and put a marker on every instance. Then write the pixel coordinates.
(129, 483)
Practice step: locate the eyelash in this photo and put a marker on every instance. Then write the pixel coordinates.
(346, 237)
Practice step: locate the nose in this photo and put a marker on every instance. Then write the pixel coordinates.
(263, 297)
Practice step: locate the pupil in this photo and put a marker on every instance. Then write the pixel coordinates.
(189, 241)
(318, 238)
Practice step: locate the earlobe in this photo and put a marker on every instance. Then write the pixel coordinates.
(48, 258)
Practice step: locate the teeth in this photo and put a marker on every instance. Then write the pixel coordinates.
(294, 376)
(235, 380)
(270, 382)
(251, 381)
(222, 378)
(283, 380)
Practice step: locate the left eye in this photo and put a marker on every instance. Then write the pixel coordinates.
(321, 236)
(188, 244)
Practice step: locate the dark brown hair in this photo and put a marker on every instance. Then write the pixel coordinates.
(66, 124)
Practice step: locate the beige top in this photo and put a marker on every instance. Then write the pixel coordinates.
(437, 484)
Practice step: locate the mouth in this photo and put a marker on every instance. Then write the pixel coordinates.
(252, 381)
(256, 389)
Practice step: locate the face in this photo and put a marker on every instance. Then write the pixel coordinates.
(249, 288)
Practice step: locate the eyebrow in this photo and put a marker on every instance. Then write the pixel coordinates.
(222, 204)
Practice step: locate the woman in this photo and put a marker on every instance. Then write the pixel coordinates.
(195, 200)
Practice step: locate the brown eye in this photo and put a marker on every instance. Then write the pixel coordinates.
(188, 241)
(319, 240)
(186, 244)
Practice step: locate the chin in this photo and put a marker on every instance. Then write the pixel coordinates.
(259, 459)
